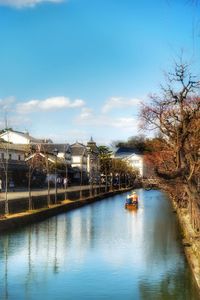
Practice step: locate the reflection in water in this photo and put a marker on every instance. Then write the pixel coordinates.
(100, 251)
(171, 286)
(5, 253)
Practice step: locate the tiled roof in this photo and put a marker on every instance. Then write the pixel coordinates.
(78, 149)
(50, 157)
(16, 147)
(49, 148)
(122, 151)
(77, 144)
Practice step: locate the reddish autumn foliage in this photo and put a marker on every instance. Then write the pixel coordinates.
(176, 115)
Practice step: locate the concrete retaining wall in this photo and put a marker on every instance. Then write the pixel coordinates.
(38, 202)
(22, 218)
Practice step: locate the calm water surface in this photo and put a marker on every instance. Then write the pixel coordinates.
(100, 251)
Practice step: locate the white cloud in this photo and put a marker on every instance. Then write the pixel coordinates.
(86, 113)
(7, 103)
(125, 123)
(26, 3)
(89, 118)
(15, 122)
(117, 102)
(66, 136)
(48, 104)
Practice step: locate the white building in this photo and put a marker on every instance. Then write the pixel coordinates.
(132, 157)
(12, 163)
(12, 152)
(79, 156)
(17, 137)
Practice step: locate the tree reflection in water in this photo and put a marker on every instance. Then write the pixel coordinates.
(172, 286)
(130, 253)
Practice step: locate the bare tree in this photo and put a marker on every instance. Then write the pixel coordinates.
(176, 114)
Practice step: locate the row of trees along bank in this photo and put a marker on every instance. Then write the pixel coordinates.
(116, 171)
(40, 165)
(175, 155)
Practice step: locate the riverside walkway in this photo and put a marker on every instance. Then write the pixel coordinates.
(20, 194)
(23, 210)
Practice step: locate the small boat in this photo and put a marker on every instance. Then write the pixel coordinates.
(132, 201)
(131, 206)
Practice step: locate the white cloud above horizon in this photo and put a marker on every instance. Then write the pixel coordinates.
(48, 104)
(26, 3)
(16, 122)
(89, 118)
(105, 123)
(7, 103)
(86, 113)
(119, 102)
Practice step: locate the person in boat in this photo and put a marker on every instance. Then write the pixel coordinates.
(128, 199)
(134, 198)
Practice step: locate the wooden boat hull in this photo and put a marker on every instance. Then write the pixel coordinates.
(131, 206)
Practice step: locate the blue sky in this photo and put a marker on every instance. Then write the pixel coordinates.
(73, 69)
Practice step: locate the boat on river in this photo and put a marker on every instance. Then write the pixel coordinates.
(132, 201)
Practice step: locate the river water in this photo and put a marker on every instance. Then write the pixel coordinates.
(100, 251)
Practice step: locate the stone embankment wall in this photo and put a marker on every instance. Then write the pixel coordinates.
(190, 237)
(190, 240)
(38, 202)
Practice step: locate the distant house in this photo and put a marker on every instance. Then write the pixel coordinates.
(133, 157)
(17, 137)
(12, 152)
(79, 156)
(79, 161)
(54, 154)
(46, 165)
(12, 157)
(63, 151)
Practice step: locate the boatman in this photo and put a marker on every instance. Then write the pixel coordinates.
(128, 199)
(134, 197)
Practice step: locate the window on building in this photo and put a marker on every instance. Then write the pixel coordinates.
(19, 157)
(136, 161)
(2, 155)
(10, 156)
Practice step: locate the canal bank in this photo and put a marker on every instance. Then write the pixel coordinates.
(189, 237)
(190, 240)
(23, 218)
